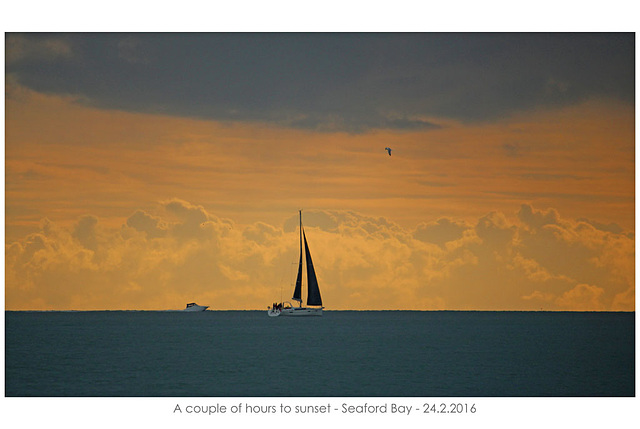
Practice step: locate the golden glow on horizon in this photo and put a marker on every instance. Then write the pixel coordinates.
(75, 175)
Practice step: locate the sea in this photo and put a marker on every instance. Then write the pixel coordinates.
(342, 354)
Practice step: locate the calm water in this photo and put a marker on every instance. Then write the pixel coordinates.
(246, 353)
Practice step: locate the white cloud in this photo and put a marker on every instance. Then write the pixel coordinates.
(441, 231)
(582, 297)
(182, 253)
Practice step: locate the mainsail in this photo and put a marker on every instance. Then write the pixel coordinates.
(313, 295)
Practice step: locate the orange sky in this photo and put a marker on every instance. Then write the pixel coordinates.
(113, 210)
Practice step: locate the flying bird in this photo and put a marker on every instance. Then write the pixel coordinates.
(388, 149)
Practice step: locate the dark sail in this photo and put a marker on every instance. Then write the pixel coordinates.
(313, 297)
(297, 292)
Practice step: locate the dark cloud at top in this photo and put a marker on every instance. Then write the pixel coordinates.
(348, 81)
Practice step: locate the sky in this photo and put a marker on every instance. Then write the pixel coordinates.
(148, 170)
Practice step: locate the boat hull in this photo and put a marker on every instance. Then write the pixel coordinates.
(301, 312)
(195, 308)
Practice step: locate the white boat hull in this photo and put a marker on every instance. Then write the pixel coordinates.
(196, 308)
(301, 311)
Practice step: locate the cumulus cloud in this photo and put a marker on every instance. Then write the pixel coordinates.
(582, 297)
(178, 252)
(537, 219)
(261, 232)
(441, 231)
(147, 223)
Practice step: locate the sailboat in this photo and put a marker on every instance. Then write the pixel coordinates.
(314, 300)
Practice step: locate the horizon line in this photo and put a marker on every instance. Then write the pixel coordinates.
(368, 310)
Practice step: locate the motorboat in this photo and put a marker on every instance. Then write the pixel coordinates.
(192, 306)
